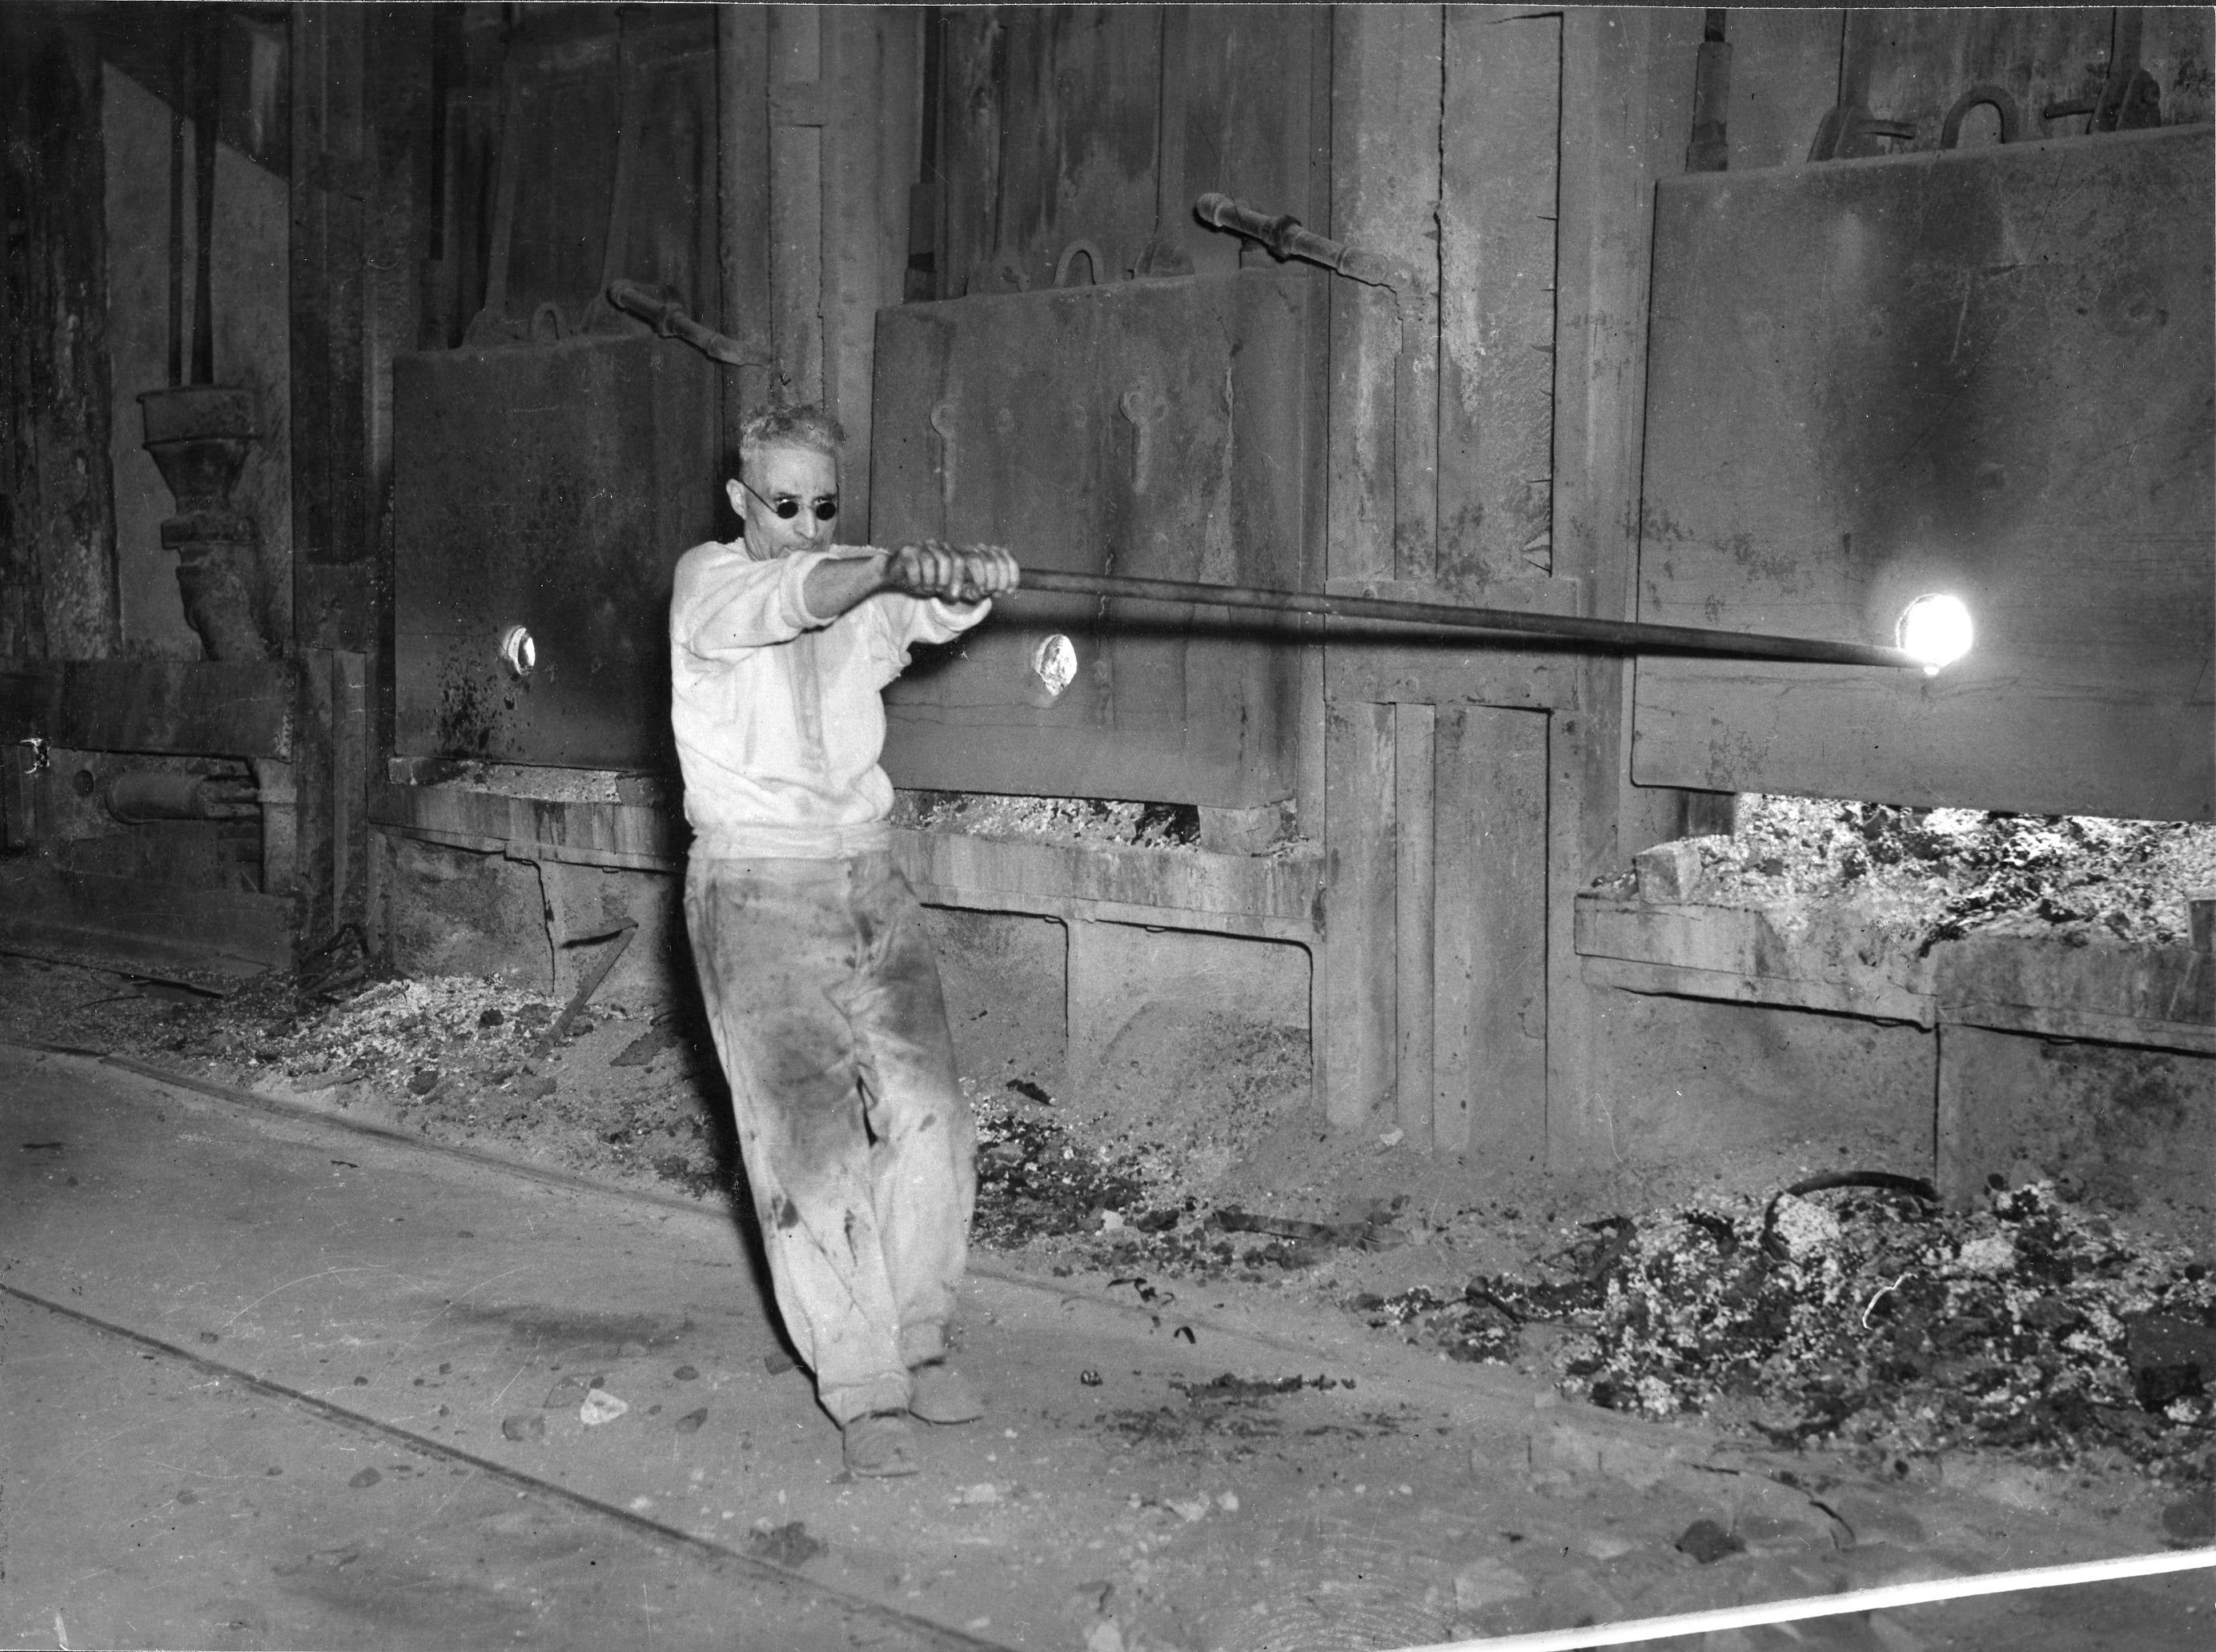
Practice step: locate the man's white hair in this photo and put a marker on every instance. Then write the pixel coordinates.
(805, 426)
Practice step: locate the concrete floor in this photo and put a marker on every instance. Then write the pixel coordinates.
(270, 1380)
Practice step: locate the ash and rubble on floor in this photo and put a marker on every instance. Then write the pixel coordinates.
(458, 1059)
(1853, 1319)
(1914, 878)
(1204, 1512)
(1864, 1319)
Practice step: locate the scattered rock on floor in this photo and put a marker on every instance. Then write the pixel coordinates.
(1487, 1581)
(1804, 1227)
(789, 1544)
(1708, 1543)
(600, 1407)
(642, 1050)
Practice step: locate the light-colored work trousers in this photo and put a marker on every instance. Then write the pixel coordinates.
(858, 1143)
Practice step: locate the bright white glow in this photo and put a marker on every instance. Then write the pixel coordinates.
(1936, 630)
(1054, 663)
(518, 650)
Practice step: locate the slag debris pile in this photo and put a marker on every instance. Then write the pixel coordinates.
(1930, 875)
(460, 1059)
(398, 1031)
(405, 1028)
(1123, 1202)
(1036, 1178)
(1051, 819)
(1869, 1321)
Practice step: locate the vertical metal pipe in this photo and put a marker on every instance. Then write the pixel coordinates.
(176, 248)
(1165, 253)
(1709, 150)
(615, 247)
(742, 202)
(207, 89)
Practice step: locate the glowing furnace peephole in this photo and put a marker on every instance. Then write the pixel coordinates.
(518, 651)
(1053, 662)
(1936, 630)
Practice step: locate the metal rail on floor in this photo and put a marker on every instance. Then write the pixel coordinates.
(924, 1632)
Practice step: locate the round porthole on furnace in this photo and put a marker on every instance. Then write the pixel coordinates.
(518, 651)
(1053, 662)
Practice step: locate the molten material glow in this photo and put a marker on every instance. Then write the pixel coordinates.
(1936, 630)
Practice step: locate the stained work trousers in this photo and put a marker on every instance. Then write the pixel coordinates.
(858, 1143)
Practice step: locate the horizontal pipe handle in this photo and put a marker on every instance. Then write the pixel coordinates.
(1283, 237)
(671, 320)
(1634, 636)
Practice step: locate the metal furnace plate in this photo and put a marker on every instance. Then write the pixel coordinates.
(1152, 427)
(554, 488)
(1984, 371)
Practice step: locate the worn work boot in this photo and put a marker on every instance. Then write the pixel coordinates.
(880, 1446)
(939, 1393)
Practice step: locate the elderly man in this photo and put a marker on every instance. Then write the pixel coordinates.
(818, 979)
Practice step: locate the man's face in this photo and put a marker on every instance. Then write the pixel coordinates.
(777, 475)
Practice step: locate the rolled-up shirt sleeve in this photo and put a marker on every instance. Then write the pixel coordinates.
(723, 602)
(898, 622)
(934, 621)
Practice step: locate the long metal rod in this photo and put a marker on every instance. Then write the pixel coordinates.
(1634, 636)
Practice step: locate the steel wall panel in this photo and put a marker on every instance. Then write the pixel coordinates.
(551, 487)
(1988, 372)
(1152, 427)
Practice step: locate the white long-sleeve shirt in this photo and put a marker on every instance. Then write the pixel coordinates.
(777, 712)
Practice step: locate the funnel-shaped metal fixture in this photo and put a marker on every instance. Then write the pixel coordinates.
(199, 436)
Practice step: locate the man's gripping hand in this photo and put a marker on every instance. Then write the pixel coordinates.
(952, 572)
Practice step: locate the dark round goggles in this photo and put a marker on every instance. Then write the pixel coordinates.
(785, 507)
